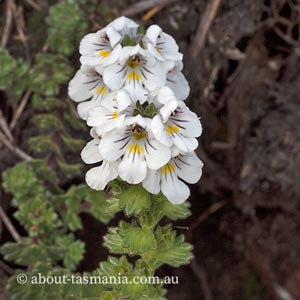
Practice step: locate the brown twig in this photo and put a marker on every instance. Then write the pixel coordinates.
(204, 25)
(20, 109)
(145, 5)
(6, 268)
(6, 142)
(149, 14)
(8, 24)
(34, 5)
(201, 276)
(211, 210)
(4, 126)
(8, 224)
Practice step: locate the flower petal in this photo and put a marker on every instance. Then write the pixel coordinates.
(125, 26)
(168, 109)
(158, 130)
(154, 76)
(113, 76)
(173, 188)
(156, 154)
(185, 144)
(177, 82)
(152, 181)
(84, 107)
(189, 123)
(98, 177)
(133, 167)
(90, 154)
(189, 167)
(113, 144)
(81, 86)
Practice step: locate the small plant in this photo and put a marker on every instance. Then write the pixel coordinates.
(131, 91)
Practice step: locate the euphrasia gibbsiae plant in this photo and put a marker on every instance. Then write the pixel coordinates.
(131, 91)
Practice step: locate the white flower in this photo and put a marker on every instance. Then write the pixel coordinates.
(130, 90)
(135, 71)
(87, 84)
(177, 82)
(137, 148)
(103, 47)
(98, 49)
(111, 113)
(98, 177)
(177, 125)
(161, 96)
(187, 167)
(124, 26)
(161, 45)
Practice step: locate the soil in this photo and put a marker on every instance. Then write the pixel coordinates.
(245, 85)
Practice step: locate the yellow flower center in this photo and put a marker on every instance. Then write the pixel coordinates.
(103, 53)
(114, 115)
(168, 169)
(138, 132)
(134, 76)
(136, 148)
(171, 129)
(101, 90)
(158, 50)
(133, 62)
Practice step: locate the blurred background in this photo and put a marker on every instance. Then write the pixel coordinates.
(242, 60)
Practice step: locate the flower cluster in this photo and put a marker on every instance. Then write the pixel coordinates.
(131, 91)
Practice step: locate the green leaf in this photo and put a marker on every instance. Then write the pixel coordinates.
(114, 242)
(70, 170)
(71, 250)
(171, 250)
(24, 253)
(74, 255)
(47, 103)
(47, 121)
(173, 212)
(101, 208)
(66, 27)
(21, 180)
(114, 266)
(74, 121)
(12, 73)
(48, 73)
(73, 145)
(138, 240)
(134, 200)
(42, 144)
(162, 207)
(128, 238)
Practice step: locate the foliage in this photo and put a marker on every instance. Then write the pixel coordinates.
(12, 73)
(66, 26)
(48, 204)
